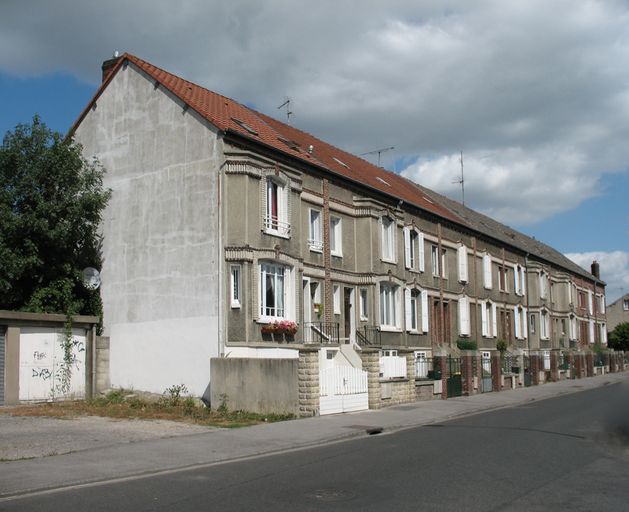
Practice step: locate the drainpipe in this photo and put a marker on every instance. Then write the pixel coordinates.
(528, 311)
(93, 342)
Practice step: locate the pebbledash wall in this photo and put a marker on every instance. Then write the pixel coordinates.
(162, 253)
(33, 358)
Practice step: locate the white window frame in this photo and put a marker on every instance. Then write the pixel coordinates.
(533, 324)
(388, 229)
(288, 297)
(435, 260)
(336, 298)
(389, 306)
(625, 304)
(413, 249)
(505, 278)
(543, 286)
(464, 316)
(544, 324)
(363, 299)
(279, 224)
(315, 231)
(572, 327)
(489, 322)
(411, 310)
(336, 236)
(590, 302)
(235, 285)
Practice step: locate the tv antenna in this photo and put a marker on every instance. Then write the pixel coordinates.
(288, 110)
(461, 181)
(378, 151)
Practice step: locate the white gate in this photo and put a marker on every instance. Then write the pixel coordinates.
(342, 389)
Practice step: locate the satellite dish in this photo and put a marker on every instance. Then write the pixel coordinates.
(91, 278)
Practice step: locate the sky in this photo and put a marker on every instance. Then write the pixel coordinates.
(535, 94)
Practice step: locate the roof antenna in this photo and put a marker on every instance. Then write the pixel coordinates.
(461, 181)
(378, 151)
(288, 111)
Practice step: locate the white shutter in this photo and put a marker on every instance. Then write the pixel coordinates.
(590, 302)
(516, 280)
(525, 324)
(407, 246)
(487, 271)
(494, 321)
(483, 317)
(407, 308)
(462, 255)
(603, 304)
(516, 321)
(420, 242)
(523, 279)
(464, 316)
(591, 338)
(604, 333)
(424, 311)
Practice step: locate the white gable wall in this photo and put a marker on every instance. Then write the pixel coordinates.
(160, 277)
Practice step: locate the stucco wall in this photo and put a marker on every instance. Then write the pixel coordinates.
(255, 385)
(161, 253)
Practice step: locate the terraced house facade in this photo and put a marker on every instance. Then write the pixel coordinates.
(233, 235)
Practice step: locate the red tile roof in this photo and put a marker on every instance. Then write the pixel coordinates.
(230, 116)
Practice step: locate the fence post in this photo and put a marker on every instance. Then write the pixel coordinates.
(467, 371)
(578, 364)
(371, 364)
(534, 361)
(554, 365)
(496, 371)
(589, 364)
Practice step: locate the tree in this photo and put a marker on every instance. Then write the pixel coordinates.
(618, 339)
(51, 202)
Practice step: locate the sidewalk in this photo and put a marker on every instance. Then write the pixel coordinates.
(215, 446)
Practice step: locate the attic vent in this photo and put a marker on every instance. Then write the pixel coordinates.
(244, 125)
(383, 181)
(290, 143)
(340, 162)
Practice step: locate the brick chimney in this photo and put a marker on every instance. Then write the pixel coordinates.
(596, 270)
(109, 65)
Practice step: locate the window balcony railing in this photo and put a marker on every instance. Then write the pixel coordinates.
(323, 333)
(276, 225)
(315, 245)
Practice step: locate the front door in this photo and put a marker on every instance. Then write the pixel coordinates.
(348, 316)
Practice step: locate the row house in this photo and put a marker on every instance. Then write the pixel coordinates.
(231, 234)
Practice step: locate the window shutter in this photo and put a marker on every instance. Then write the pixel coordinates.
(516, 280)
(591, 337)
(494, 321)
(424, 311)
(420, 242)
(590, 303)
(464, 316)
(516, 321)
(407, 246)
(523, 282)
(524, 323)
(407, 308)
(483, 317)
(487, 271)
(462, 254)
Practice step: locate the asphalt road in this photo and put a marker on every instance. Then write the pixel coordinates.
(567, 453)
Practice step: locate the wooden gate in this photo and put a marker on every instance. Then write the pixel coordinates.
(342, 389)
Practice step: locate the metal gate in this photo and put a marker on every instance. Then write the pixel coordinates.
(485, 373)
(454, 382)
(2, 359)
(342, 389)
(527, 371)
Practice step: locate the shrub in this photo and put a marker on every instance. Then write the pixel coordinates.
(466, 345)
(501, 346)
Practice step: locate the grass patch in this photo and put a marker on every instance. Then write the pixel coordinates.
(172, 406)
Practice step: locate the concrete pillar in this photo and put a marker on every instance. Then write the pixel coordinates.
(554, 366)
(308, 382)
(468, 360)
(589, 364)
(371, 364)
(578, 365)
(535, 367)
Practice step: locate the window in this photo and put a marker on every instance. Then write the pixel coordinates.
(388, 239)
(487, 280)
(421, 365)
(519, 280)
(519, 322)
(315, 238)
(591, 331)
(533, 326)
(336, 237)
(582, 299)
(235, 286)
(625, 304)
(603, 333)
(544, 325)
(275, 289)
(389, 305)
(590, 302)
(336, 296)
(276, 216)
(462, 263)
(464, 316)
(411, 324)
(503, 276)
(573, 327)
(563, 326)
(489, 324)
(543, 285)
(439, 264)
(601, 304)
(416, 308)
(364, 312)
(413, 249)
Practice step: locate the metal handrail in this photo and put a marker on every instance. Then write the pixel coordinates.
(324, 333)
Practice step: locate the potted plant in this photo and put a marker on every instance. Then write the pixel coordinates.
(280, 329)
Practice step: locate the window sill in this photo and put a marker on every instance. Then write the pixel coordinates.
(277, 233)
(314, 248)
(389, 328)
(235, 305)
(390, 262)
(336, 254)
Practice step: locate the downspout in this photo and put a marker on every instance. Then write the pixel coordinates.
(221, 266)
(93, 342)
(528, 311)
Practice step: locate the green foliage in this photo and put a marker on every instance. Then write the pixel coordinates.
(618, 339)
(222, 408)
(51, 201)
(173, 395)
(501, 346)
(464, 344)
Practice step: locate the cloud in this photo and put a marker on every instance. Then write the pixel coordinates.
(614, 269)
(535, 93)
